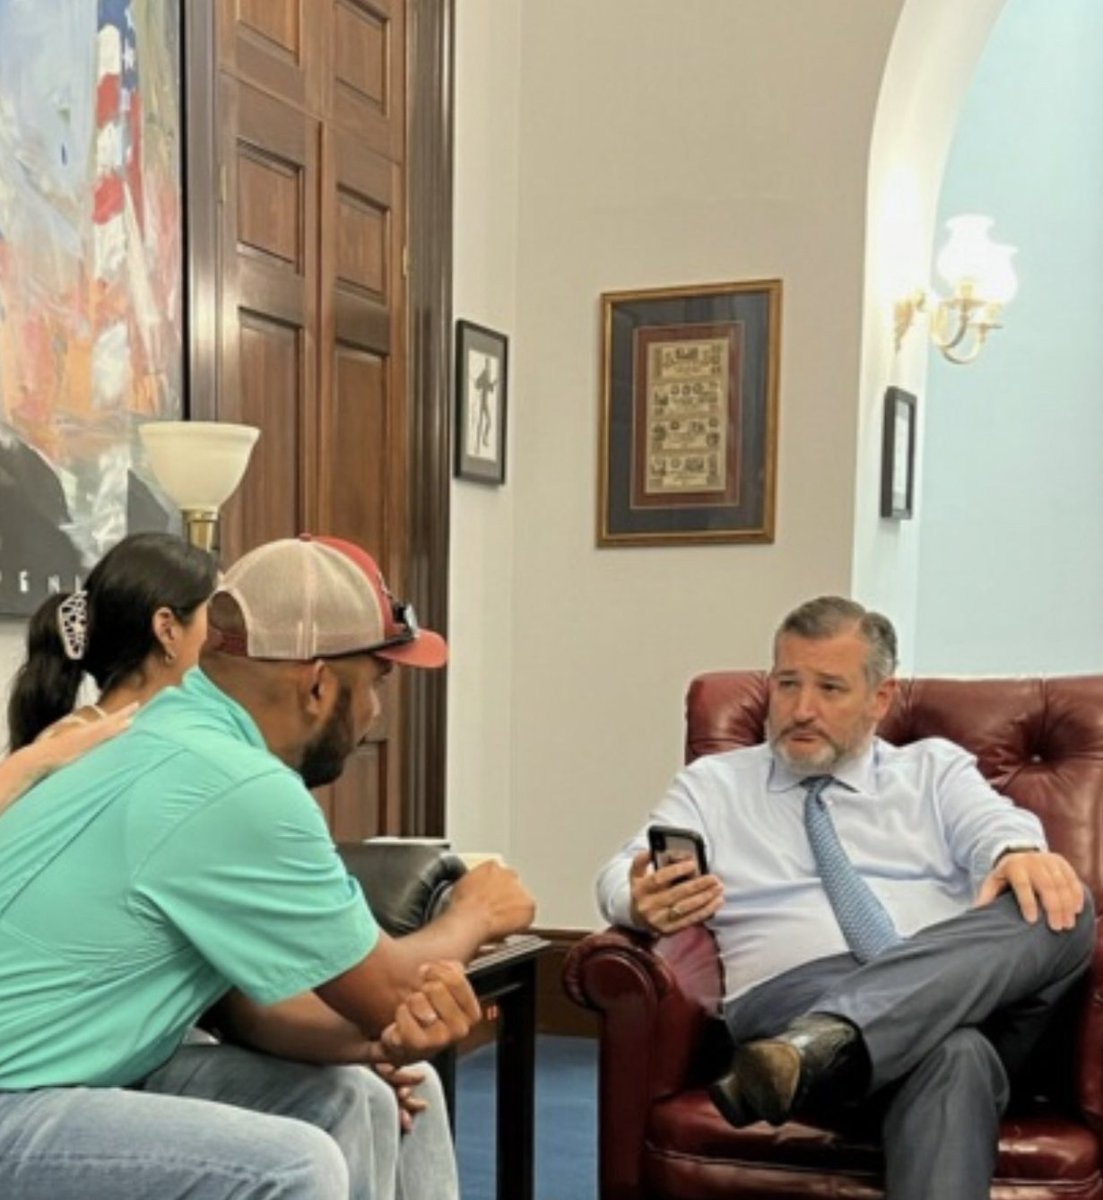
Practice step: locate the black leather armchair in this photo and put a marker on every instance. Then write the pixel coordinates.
(405, 883)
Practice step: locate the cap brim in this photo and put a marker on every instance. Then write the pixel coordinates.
(428, 649)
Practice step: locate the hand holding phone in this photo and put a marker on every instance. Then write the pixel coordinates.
(669, 843)
(666, 905)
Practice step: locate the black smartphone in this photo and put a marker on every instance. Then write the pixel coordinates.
(670, 844)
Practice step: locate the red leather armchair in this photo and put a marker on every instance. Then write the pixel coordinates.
(1040, 741)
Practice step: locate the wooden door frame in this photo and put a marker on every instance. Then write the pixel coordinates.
(429, 237)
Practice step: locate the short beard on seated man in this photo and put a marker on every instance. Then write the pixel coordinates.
(324, 758)
(805, 749)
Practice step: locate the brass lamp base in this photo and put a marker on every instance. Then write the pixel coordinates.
(201, 528)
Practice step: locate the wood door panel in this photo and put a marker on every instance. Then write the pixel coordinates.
(274, 163)
(268, 503)
(361, 381)
(358, 423)
(363, 230)
(275, 21)
(270, 208)
(269, 311)
(275, 44)
(367, 73)
(362, 413)
(311, 327)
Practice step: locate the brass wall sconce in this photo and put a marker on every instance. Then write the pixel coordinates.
(981, 279)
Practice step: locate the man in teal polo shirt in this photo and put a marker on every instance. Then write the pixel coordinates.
(185, 866)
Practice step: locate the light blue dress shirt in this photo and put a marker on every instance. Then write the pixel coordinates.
(919, 822)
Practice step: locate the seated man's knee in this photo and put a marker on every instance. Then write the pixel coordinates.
(360, 1090)
(1083, 933)
(309, 1165)
(970, 1059)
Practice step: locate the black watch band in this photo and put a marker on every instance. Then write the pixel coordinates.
(1017, 848)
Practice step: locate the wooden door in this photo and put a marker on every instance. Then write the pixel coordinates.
(312, 304)
(284, 333)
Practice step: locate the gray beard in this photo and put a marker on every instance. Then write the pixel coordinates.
(825, 762)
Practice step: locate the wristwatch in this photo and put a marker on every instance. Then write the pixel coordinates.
(1017, 848)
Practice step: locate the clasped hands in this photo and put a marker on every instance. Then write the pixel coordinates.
(673, 897)
(1041, 881)
(440, 1012)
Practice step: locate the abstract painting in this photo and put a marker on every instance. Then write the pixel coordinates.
(91, 278)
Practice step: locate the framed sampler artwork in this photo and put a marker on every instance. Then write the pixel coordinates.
(688, 433)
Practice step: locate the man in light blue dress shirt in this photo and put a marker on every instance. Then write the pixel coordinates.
(987, 930)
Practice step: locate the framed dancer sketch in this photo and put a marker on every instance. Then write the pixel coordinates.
(482, 383)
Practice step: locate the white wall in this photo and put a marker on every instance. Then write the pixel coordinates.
(730, 143)
(1012, 553)
(13, 635)
(480, 684)
(934, 54)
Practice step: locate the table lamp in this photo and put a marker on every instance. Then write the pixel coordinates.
(198, 464)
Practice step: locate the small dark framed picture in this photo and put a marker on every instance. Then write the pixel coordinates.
(898, 455)
(482, 382)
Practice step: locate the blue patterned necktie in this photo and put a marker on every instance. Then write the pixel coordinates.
(866, 925)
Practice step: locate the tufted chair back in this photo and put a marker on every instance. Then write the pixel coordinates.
(1039, 741)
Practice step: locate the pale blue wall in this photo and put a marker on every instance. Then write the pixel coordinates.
(1011, 537)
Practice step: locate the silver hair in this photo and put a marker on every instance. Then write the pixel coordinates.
(828, 616)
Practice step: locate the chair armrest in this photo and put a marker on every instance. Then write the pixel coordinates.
(651, 1032)
(1089, 1042)
(406, 884)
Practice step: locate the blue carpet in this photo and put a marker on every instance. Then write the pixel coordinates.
(566, 1120)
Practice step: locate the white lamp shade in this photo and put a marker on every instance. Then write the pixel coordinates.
(965, 256)
(998, 283)
(198, 463)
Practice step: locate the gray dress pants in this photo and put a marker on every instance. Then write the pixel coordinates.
(948, 1016)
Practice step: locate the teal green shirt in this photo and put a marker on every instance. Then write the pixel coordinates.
(144, 881)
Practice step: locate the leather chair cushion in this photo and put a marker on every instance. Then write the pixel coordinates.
(406, 884)
(1031, 1147)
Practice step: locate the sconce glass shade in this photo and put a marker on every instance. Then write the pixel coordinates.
(999, 285)
(199, 464)
(971, 263)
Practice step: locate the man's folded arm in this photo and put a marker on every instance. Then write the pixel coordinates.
(303, 1028)
(487, 904)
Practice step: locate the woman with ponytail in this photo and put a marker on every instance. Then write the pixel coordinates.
(135, 627)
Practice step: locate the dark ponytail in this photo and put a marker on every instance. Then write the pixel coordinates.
(45, 687)
(144, 572)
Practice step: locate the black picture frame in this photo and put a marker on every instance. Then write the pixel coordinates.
(482, 398)
(898, 455)
(688, 436)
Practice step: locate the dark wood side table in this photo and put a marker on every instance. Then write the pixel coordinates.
(506, 975)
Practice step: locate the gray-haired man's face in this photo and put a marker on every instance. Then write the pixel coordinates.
(823, 710)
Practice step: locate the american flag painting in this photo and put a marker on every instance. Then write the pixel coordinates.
(91, 270)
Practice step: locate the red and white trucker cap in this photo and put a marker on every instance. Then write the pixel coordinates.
(321, 597)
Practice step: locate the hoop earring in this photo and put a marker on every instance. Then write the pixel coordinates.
(170, 658)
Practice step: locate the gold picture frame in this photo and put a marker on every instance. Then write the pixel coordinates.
(688, 436)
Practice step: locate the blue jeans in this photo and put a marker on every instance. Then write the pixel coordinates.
(221, 1122)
